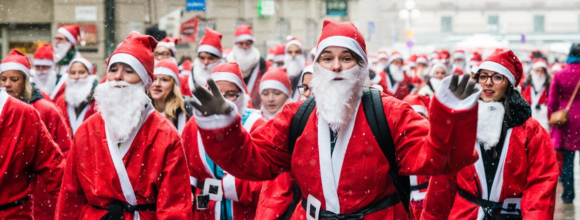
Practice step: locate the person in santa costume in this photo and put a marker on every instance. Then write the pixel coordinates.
(459, 62)
(444, 57)
(305, 79)
(232, 198)
(410, 65)
(433, 56)
(294, 61)
(270, 56)
(275, 92)
(209, 55)
(338, 134)
(65, 50)
(45, 78)
(166, 95)
(279, 54)
(535, 91)
(421, 71)
(437, 73)
(516, 174)
(127, 161)
(398, 83)
(166, 50)
(472, 64)
(77, 105)
(252, 65)
(28, 156)
(383, 61)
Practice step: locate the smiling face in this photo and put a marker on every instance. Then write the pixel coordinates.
(494, 85)
(161, 88)
(123, 72)
(336, 59)
(273, 100)
(14, 82)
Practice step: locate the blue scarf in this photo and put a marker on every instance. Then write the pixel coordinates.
(573, 59)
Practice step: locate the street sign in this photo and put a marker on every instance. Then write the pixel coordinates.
(266, 8)
(336, 7)
(195, 5)
(371, 27)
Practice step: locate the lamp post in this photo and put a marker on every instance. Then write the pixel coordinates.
(408, 14)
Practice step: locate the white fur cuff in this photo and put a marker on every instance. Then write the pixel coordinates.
(447, 98)
(214, 122)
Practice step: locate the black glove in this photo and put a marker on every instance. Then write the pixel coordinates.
(211, 103)
(465, 88)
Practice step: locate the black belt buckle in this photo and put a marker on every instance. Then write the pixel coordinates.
(356, 216)
(202, 202)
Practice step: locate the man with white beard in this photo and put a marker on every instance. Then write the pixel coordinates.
(209, 55)
(251, 64)
(45, 78)
(459, 61)
(437, 73)
(65, 40)
(77, 104)
(294, 61)
(338, 134)
(127, 161)
(398, 83)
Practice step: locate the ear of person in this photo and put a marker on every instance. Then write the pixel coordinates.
(210, 103)
(463, 89)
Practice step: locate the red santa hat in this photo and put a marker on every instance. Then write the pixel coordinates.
(44, 56)
(343, 34)
(211, 43)
(423, 59)
(279, 53)
(16, 60)
(296, 42)
(412, 61)
(313, 52)
(417, 103)
(168, 68)
(243, 32)
(437, 65)
(71, 32)
(457, 70)
(395, 55)
(434, 55)
(169, 42)
(444, 55)
(271, 53)
(137, 52)
(90, 67)
(528, 58)
(374, 58)
(476, 57)
(459, 54)
(504, 63)
(383, 55)
(557, 67)
(186, 67)
(540, 63)
(276, 78)
(229, 72)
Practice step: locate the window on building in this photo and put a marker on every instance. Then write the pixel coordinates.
(493, 23)
(446, 22)
(282, 29)
(539, 23)
(311, 33)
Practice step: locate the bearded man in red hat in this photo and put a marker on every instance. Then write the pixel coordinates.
(127, 161)
(327, 157)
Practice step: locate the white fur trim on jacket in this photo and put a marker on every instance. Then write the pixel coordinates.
(229, 187)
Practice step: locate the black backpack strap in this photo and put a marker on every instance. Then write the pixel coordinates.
(299, 122)
(262, 66)
(374, 112)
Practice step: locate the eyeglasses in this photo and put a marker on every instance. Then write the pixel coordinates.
(303, 89)
(495, 78)
(164, 54)
(232, 96)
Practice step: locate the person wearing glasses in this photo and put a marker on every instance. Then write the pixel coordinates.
(275, 91)
(516, 174)
(304, 86)
(232, 198)
(166, 50)
(251, 64)
(166, 95)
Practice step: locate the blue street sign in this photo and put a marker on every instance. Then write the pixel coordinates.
(371, 27)
(195, 5)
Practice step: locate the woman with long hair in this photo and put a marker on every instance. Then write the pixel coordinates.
(535, 91)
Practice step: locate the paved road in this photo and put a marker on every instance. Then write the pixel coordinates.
(569, 211)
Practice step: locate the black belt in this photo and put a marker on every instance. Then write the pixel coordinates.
(15, 203)
(198, 185)
(390, 200)
(490, 208)
(116, 209)
(419, 187)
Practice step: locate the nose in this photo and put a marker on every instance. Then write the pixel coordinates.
(157, 82)
(205, 61)
(307, 93)
(118, 76)
(336, 67)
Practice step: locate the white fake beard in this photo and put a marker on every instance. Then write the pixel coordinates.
(397, 73)
(78, 90)
(336, 99)
(121, 108)
(489, 123)
(61, 49)
(294, 65)
(242, 103)
(246, 59)
(538, 80)
(268, 115)
(436, 83)
(45, 80)
(202, 72)
(380, 67)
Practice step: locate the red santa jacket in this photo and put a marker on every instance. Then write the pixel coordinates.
(276, 197)
(53, 119)
(243, 194)
(27, 151)
(69, 113)
(398, 89)
(155, 165)
(186, 85)
(364, 181)
(527, 172)
(59, 89)
(532, 98)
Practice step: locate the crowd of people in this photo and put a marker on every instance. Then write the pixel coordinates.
(328, 133)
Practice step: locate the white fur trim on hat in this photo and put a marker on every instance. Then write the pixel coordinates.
(382, 56)
(169, 45)
(67, 34)
(459, 55)
(437, 65)
(135, 64)
(313, 51)
(209, 49)
(279, 58)
(496, 67)
(293, 42)
(15, 66)
(42, 62)
(420, 109)
(273, 84)
(85, 63)
(243, 37)
(540, 64)
(309, 69)
(422, 60)
(167, 72)
(341, 41)
(394, 57)
(230, 77)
